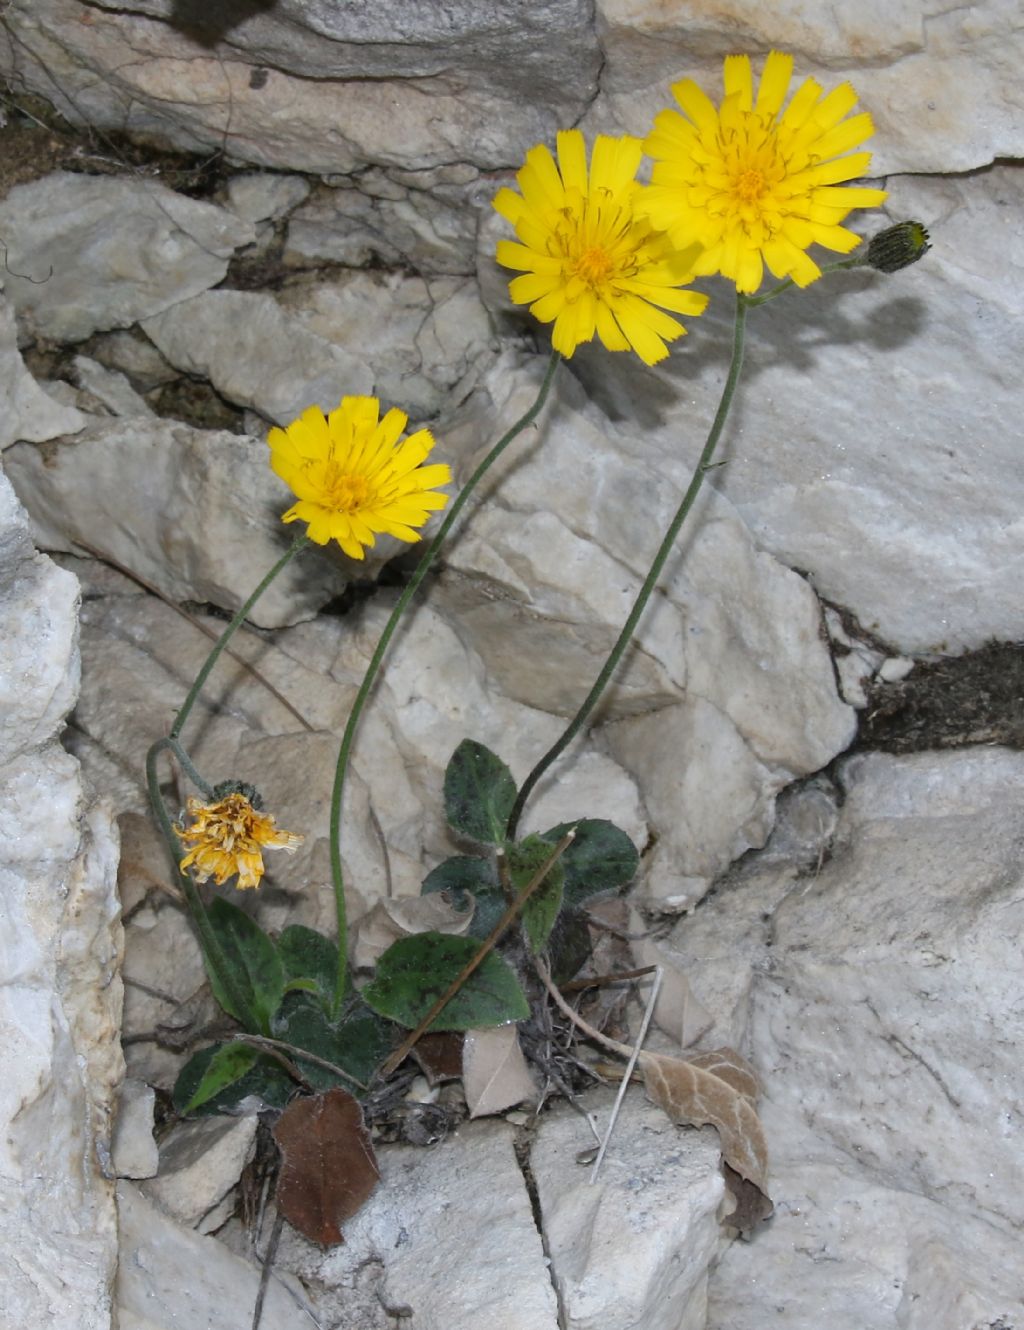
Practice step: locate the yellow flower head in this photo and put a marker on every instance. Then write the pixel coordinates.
(227, 837)
(753, 184)
(589, 263)
(354, 475)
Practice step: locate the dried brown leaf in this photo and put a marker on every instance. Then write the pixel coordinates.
(439, 1055)
(328, 1167)
(402, 916)
(717, 1089)
(494, 1072)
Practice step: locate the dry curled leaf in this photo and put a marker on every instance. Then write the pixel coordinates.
(402, 916)
(494, 1072)
(718, 1089)
(328, 1168)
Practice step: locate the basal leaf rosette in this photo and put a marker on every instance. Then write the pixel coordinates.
(753, 185)
(589, 263)
(355, 477)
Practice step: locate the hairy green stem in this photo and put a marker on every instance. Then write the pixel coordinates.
(348, 738)
(611, 664)
(299, 543)
(213, 953)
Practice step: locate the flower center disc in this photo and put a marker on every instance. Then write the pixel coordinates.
(750, 185)
(348, 493)
(593, 266)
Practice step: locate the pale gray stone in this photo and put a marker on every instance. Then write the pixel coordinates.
(29, 413)
(200, 1164)
(420, 337)
(940, 84)
(259, 195)
(195, 512)
(453, 1230)
(169, 1276)
(634, 1247)
(134, 1151)
(877, 998)
(429, 108)
(423, 220)
(135, 356)
(60, 991)
(87, 253)
(39, 662)
(111, 389)
(254, 354)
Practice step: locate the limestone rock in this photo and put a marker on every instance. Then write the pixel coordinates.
(452, 1229)
(177, 506)
(256, 355)
(60, 991)
(169, 1276)
(259, 195)
(890, 56)
(421, 337)
(87, 253)
(134, 1152)
(462, 85)
(876, 999)
(200, 1164)
(632, 1249)
(29, 412)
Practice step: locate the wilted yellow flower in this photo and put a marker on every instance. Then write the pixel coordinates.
(589, 263)
(228, 837)
(355, 476)
(752, 184)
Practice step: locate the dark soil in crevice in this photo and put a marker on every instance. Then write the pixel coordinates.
(951, 702)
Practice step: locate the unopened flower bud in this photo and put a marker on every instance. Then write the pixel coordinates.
(897, 247)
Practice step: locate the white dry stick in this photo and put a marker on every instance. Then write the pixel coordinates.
(644, 1026)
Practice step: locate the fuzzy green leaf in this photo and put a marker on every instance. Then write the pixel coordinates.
(357, 1042)
(414, 972)
(541, 910)
(310, 960)
(253, 960)
(478, 793)
(600, 860)
(229, 1064)
(265, 1080)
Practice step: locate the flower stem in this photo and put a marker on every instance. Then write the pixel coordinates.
(348, 738)
(179, 721)
(608, 669)
(213, 952)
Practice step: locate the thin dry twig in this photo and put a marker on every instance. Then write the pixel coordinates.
(652, 998)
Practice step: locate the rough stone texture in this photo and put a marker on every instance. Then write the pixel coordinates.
(421, 337)
(463, 82)
(87, 253)
(421, 220)
(941, 83)
(134, 1151)
(452, 1229)
(29, 412)
(256, 355)
(169, 1277)
(200, 1164)
(175, 505)
(60, 995)
(882, 1010)
(632, 1249)
(258, 195)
